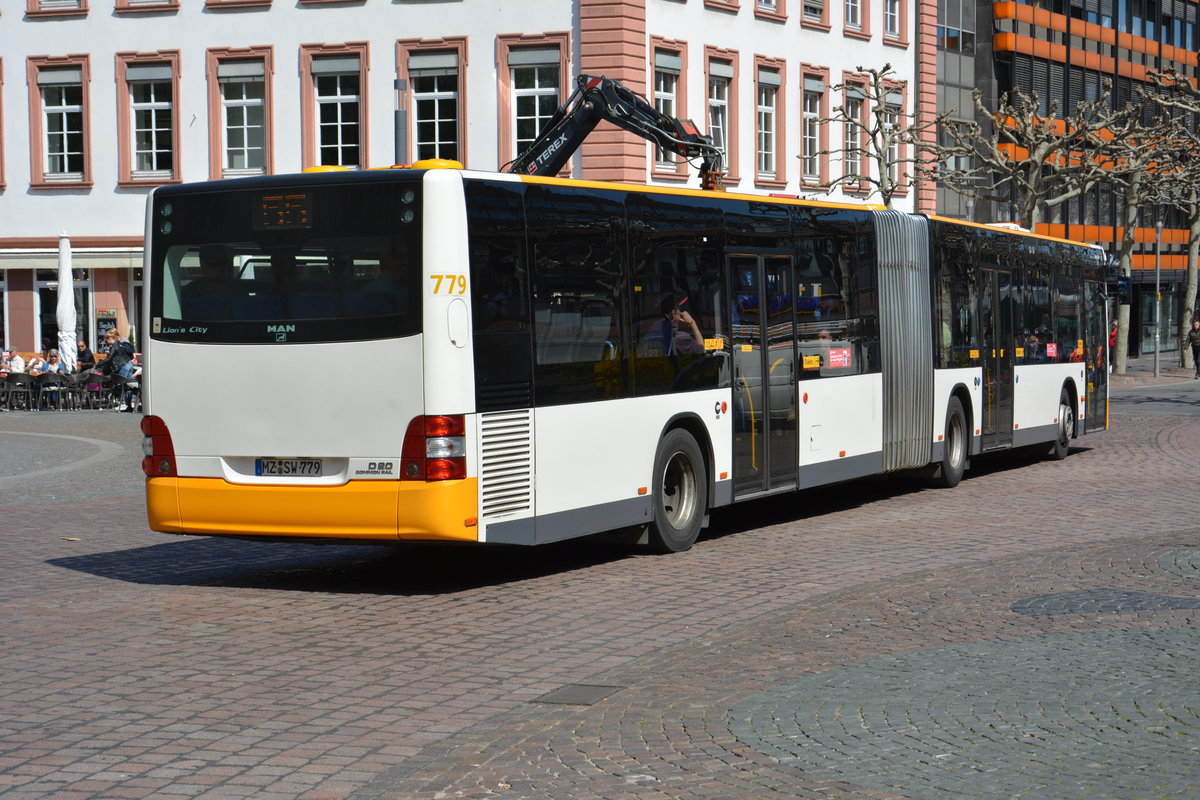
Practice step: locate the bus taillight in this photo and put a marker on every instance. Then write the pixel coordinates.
(158, 448)
(435, 449)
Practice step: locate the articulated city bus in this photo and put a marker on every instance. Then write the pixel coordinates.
(431, 353)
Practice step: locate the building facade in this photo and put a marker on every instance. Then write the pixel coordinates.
(102, 100)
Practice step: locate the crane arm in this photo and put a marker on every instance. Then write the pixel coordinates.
(598, 98)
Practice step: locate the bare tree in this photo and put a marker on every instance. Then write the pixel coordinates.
(877, 136)
(1182, 99)
(1027, 158)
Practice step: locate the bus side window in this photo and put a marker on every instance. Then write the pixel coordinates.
(834, 285)
(577, 252)
(499, 296)
(679, 336)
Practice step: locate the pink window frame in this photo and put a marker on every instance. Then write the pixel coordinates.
(778, 15)
(308, 97)
(505, 43)
(861, 82)
(37, 142)
(732, 175)
(679, 49)
(816, 25)
(213, 4)
(902, 172)
(901, 39)
(778, 65)
(406, 48)
(124, 7)
(863, 31)
(33, 9)
(125, 175)
(216, 120)
(821, 73)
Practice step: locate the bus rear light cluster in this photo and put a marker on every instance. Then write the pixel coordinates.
(435, 449)
(159, 450)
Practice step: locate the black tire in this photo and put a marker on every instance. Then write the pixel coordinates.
(1066, 428)
(680, 493)
(955, 446)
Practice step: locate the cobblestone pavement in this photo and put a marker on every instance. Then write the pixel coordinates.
(1031, 633)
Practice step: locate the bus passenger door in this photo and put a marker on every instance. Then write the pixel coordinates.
(763, 338)
(995, 307)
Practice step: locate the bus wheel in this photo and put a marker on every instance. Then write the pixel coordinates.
(1066, 428)
(954, 450)
(680, 493)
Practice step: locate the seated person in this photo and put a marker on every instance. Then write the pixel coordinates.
(84, 359)
(680, 333)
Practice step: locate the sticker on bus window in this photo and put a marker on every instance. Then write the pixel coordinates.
(839, 357)
(812, 362)
(1051, 349)
(714, 344)
(974, 354)
(1020, 352)
(747, 348)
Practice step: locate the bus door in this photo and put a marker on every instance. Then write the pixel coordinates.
(763, 336)
(995, 306)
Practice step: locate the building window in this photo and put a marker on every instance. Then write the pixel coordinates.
(666, 84)
(720, 76)
(48, 8)
(147, 5)
(891, 19)
(535, 87)
(814, 95)
(767, 118)
(771, 9)
(722, 82)
(338, 117)
(240, 107)
(243, 87)
(670, 99)
(151, 102)
(431, 72)
(59, 131)
(334, 104)
(813, 14)
(854, 14)
(435, 87)
(891, 123)
(852, 131)
(148, 122)
(62, 120)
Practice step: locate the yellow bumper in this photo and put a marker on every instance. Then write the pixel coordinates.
(358, 510)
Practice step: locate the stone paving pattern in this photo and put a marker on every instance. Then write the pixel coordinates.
(140, 665)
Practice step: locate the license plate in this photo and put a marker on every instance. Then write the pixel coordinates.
(287, 467)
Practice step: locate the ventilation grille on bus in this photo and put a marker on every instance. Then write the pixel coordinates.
(506, 463)
(500, 396)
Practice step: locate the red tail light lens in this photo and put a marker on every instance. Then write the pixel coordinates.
(158, 449)
(434, 449)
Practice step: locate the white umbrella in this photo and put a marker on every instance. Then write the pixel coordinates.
(66, 306)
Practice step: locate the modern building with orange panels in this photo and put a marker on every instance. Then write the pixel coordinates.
(1065, 51)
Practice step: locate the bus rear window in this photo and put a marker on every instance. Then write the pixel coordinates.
(351, 272)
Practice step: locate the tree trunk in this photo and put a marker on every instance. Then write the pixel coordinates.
(1189, 292)
(1128, 238)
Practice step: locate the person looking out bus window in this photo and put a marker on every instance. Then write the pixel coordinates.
(681, 335)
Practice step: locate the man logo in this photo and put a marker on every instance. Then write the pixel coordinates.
(281, 331)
